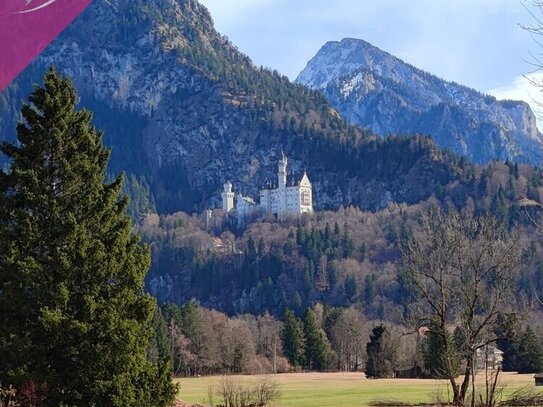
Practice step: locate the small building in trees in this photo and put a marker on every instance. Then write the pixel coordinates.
(538, 377)
(488, 357)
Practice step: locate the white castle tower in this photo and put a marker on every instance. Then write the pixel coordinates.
(282, 173)
(227, 197)
(289, 198)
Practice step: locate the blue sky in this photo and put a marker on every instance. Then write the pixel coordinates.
(474, 42)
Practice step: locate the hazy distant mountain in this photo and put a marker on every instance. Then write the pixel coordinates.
(378, 91)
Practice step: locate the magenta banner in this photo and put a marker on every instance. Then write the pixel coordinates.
(27, 27)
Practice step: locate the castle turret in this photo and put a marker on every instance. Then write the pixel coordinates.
(282, 173)
(227, 198)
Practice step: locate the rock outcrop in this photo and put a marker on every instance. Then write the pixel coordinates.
(380, 92)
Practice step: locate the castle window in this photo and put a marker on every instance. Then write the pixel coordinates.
(306, 198)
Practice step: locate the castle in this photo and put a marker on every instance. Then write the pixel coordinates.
(288, 198)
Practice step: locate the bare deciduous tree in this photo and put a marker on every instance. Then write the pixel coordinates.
(236, 393)
(460, 269)
(351, 333)
(535, 10)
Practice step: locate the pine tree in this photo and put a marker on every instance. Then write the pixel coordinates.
(530, 354)
(316, 349)
(193, 327)
(381, 354)
(506, 331)
(437, 359)
(74, 316)
(293, 339)
(159, 344)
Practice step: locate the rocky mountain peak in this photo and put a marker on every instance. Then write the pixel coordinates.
(184, 111)
(340, 58)
(377, 90)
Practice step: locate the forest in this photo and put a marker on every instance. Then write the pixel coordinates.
(340, 258)
(204, 341)
(323, 292)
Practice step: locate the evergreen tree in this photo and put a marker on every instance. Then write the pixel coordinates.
(350, 288)
(506, 332)
(347, 244)
(316, 349)
(250, 270)
(530, 354)
(171, 312)
(74, 316)
(159, 344)
(369, 289)
(381, 354)
(437, 357)
(193, 327)
(293, 339)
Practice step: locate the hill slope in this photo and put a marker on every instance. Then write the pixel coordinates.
(378, 91)
(339, 258)
(184, 111)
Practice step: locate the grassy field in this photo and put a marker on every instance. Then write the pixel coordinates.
(345, 389)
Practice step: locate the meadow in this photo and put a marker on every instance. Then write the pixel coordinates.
(346, 389)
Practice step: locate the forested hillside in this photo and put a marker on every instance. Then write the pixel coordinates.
(340, 258)
(184, 111)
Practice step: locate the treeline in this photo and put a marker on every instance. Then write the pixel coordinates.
(202, 341)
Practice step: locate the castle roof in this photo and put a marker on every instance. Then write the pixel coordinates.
(293, 179)
(246, 199)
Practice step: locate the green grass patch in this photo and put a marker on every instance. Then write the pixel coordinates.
(344, 389)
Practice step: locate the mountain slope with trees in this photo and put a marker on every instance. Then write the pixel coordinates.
(340, 258)
(184, 111)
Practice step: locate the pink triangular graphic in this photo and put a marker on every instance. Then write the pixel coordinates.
(27, 27)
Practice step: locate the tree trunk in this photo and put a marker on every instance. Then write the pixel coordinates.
(456, 392)
(465, 383)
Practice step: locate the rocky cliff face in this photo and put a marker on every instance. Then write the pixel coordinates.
(378, 91)
(184, 110)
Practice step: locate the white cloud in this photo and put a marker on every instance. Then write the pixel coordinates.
(528, 88)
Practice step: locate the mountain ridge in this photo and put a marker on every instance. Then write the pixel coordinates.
(368, 86)
(184, 110)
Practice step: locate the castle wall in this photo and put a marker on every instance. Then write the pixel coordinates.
(282, 201)
(265, 200)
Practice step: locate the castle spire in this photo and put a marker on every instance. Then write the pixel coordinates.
(227, 197)
(282, 173)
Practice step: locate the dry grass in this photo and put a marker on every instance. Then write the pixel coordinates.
(181, 403)
(350, 389)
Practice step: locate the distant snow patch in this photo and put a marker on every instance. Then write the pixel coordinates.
(523, 88)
